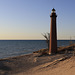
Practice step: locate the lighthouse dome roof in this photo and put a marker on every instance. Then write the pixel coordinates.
(53, 9)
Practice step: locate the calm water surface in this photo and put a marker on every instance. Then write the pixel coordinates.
(10, 48)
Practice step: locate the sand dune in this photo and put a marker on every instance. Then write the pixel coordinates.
(36, 64)
(66, 67)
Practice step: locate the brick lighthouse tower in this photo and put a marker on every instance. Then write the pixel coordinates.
(53, 34)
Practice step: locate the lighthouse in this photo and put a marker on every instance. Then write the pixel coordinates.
(53, 33)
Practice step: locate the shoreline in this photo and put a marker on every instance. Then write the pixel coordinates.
(25, 63)
(24, 54)
(10, 50)
(29, 63)
(16, 56)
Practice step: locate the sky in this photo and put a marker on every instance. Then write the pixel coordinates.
(29, 19)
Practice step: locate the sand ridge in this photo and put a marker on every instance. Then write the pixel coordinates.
(65, 67)
(34, 64)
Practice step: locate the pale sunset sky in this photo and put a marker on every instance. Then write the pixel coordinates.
(29, 19)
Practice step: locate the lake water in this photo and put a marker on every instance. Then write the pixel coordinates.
(10, 48)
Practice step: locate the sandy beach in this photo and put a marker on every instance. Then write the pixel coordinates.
(62, 68)
(36, 64)
(61, 63)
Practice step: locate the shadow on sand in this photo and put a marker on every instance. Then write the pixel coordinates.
(4, 69)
